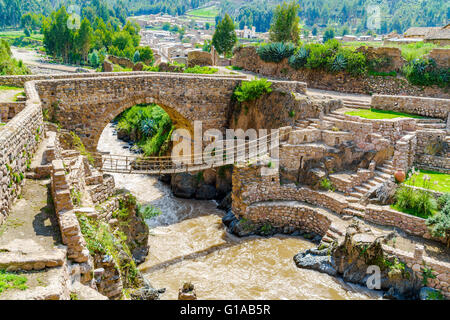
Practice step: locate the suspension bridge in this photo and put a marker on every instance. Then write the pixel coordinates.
(242, 151)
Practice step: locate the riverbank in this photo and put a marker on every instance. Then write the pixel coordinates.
(188, 242)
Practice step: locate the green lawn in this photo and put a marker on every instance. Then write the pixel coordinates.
(8, 88)
(209, 12)
(438, 181)
(381, 114)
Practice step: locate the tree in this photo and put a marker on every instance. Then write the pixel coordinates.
(94, 59)
(207, 26)
(84, 39)
(314, 31)
(329, 34)
(146, 55)
(224, 37)
(136, 56)
(285, 27)
(166, 26)
(345, 31)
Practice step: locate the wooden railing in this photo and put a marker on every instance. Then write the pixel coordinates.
(139, 164)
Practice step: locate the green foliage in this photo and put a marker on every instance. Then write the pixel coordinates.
(339, 63)
(10, 280)
(381, 114)
(146, 55)
(275, 52)
(427, 273)
(76, 196)
(418, 202)
(251, 90)
(224, 37)
(151, 126)
(201, 70)
(424, 72)
(285, 26)
(136, 56)
(78, 145)
(325, 184)
(439, 224)
(266, 228)
(8, 65)
(148, 211)
(299, 59)
(328, 35)
(101, 239)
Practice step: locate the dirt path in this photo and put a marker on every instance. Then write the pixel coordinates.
(37, 63)
(9, 95)
(30, 226)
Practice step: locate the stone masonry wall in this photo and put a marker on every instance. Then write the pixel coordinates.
(19, 81)
(19, 139)
(85, 106)
(429, 107)
(9, 110)
(248, 59)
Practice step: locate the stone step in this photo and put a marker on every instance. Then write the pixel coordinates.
(432, 125)
(356, 194)
(353, 212)
(352, 199)
(382, 175)
(360, 189)
(367, 185)
(379, 179)
(38, 260)
(385, 170)
(429, 120)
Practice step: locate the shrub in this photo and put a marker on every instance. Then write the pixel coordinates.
(418, 202)
(299, 59)
(439, 224)
(325, 184)
(275, 52)
(251, 90)
(317, 56)
(148, 211)
(339, 63)
(424, 72)
(356, 62)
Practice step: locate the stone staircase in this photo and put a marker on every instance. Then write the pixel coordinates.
(382, 173)
(431, 124)
(354, 102)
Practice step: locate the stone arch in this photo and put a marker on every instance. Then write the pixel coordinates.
(179, 120)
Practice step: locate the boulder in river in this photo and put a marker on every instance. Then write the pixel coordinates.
(351, 258)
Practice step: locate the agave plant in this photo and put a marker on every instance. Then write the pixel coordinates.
(339, 63)
(147, 127)
(275, 52)
(299, 59)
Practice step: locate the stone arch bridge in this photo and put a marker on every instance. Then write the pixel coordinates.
(86, 104)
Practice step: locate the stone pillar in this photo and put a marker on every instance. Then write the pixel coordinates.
(418, 252)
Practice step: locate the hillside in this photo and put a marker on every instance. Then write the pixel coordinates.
(348, 16)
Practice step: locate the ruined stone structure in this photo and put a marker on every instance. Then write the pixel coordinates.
(319, 143)
(248, 59)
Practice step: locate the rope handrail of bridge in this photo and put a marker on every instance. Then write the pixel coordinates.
(170, 164)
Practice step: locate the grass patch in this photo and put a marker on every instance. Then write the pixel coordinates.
(201, 70)
(9, 280)
(412, 212)
(9, 88)
(381, 114)
(209, 12)
(438, 181)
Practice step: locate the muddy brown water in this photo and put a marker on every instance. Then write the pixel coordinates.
(188, 242)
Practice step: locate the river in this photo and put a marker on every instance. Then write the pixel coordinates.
(189, 243)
